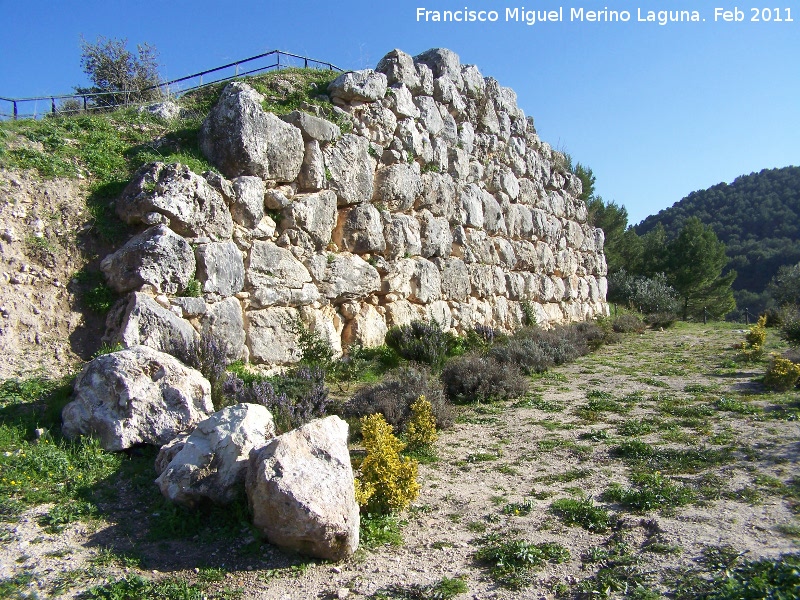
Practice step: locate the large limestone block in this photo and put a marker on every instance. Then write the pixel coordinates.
(474, 84)
(487, 280)
(247, 205)
(442, 62)
(455, 280)
(365, 86)
(493, 221)
(437, 241)
(429, 115)
(326, 323)
(426, 285)
(399, 68)
(471, 199)
(415, 279)
(136, 396)
(193, 207)
(276, 277)
(313, 128)
(438, 195)
(272, 336)
(312, 173)
(212, 463)
(399, 277)
(157, 256)
(367, 328)
(224, 323)
(360, 230)
(241, 138)
(220, 268)
(313, 213)
(350, 169)
(401, 102)
(142, 321)
(301, 492)
(376, 123)
(348, 276)
(402, 312)
(398, 186)
(402, 235)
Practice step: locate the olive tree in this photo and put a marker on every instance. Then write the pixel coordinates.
(121, 75)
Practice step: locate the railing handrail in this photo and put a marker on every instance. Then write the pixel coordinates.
(165, 84)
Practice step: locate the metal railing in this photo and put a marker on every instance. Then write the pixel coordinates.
(93, 101)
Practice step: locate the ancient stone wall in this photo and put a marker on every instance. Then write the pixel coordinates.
(435, 199)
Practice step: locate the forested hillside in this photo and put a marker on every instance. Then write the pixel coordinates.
(757, 217)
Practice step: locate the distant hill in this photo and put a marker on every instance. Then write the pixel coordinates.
(757, 217)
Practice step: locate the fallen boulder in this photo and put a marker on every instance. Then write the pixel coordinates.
(136, 396)
(212, 461)
(301, 492)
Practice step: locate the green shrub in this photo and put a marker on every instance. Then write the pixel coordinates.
(646, 294)
(294, 398)
(661, 320)
(650, 491)
(752, 347)
(393, 398)
(535, 350)
(193, 289)
(628, 323)
(790, 327)
(422, 341)
(474, 378)
(314, 349)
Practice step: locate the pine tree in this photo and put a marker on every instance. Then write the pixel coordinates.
(695, 261)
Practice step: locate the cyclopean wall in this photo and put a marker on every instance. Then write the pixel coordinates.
(439, 202)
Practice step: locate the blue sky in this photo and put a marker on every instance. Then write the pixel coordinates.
(656, 111)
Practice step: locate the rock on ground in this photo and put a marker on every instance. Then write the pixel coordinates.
(212, 461)
(301, 492)
(136, 396)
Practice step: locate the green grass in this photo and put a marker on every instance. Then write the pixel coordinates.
(135, 586)
(511, 561)
(648, 457)
(634, 427)
(582, 512)
(380, 530)
(737, 406)
(649, 492)
(519, 509)
(722, 574)
(563, 477)
(50, 470)
(444, 589)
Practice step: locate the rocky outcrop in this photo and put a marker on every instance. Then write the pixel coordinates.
(136, 396)
(301, 492)
(210, 464)
(431, 196)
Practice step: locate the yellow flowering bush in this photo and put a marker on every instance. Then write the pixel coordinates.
(753, 346)
(388, 482)
(421, 428)
(782, 374)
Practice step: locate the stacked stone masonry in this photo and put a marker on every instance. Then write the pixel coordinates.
(439, 202)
